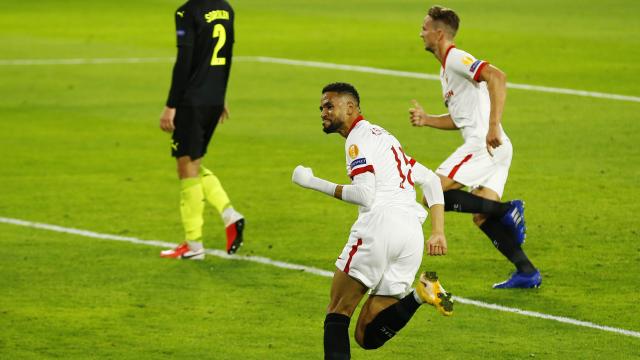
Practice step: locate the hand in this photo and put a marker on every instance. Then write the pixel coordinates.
(224, 115)
(416, 114)
(437, 244)
(302, 176)
(166, 119)
(493, 138)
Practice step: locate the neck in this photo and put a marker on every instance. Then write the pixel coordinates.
(441, 52)
(349, 124)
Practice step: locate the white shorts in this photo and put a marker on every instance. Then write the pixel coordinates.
(472, 166)
(384, 251)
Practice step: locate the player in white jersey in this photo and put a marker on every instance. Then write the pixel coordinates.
(385, 245)
(474, 93)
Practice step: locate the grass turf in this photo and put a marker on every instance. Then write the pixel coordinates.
(82, 149)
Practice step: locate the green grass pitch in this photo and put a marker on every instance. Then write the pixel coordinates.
(81, 148)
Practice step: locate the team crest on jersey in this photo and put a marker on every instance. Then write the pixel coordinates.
(353, 151)
(475, 65)
(467, 60)
(358, 162)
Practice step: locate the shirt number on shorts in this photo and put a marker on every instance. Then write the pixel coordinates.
(220, 33)
(402, 163)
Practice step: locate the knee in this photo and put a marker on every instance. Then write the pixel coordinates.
(363, 340)
(340, 307)
(188, 168)
(360, 340)
(479, 219)
(373, 338)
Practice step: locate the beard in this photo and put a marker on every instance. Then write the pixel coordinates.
(429, 49)
(332, 128)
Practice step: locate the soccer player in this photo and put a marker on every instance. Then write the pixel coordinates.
(474, 93)
(384, 249)
(196, 104)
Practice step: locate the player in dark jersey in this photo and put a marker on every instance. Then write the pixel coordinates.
(196, 103)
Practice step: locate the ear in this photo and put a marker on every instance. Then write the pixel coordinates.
(351, 106)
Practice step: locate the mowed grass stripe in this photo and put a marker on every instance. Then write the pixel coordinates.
(312, 270)
(315, 64)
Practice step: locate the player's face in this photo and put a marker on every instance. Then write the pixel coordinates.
(429, 34)
(332, 112)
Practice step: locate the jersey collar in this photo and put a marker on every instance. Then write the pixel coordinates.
(446, 54)
(353, 124)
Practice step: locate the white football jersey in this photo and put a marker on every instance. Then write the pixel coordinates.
(371, 148)
(466, 98)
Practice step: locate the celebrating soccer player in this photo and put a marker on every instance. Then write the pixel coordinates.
(384, 249)
(474, 92)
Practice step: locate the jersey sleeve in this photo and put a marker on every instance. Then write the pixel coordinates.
(358, 161)
(185, 32)
(185, 26)
(465, 64)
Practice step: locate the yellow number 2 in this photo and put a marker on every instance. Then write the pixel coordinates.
(220, 33)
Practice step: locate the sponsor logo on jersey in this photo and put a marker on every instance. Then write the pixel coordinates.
(353, 151)
(447, 97)
(475, 65)
(467, 60)
(216, 14)
(358, 162)
(378, 131)
(181, 32)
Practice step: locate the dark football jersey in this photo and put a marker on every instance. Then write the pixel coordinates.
(205, 37)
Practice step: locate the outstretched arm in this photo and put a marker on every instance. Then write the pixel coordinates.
(418, 117)
(361, 191)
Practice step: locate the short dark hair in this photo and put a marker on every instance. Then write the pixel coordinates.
(447, 17)
(343, 88)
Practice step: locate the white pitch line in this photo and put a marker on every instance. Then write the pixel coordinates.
(415, 75)
(312, 270)
(561, 319)
(314, 64)
(157, 243)
(88, 61)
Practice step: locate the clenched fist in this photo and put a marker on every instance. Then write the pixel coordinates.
(416, 114)
(302, 176)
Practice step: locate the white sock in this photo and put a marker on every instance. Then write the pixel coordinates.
(194, 245)
(416, 297)
(230, 215)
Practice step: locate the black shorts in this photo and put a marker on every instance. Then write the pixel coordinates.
(194, 129)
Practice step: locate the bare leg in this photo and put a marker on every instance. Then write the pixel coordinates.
(371, 308)
(486, 193)
(346, 293)
(188, 168)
